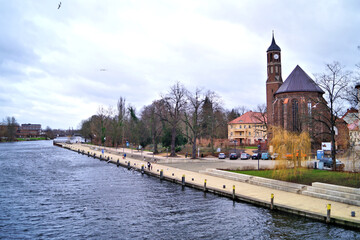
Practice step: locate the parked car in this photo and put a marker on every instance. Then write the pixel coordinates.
(244, 156)
(222, 156)
(265, 156)
(255, 156)
(233, 156)
(274, 156)
(328, 162)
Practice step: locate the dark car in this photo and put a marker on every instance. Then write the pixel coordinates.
(255, 156)
(233, 156)
(328, 162)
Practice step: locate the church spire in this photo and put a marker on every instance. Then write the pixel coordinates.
(273, 46)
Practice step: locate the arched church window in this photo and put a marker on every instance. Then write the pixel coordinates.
(295, 115)
(309, 108)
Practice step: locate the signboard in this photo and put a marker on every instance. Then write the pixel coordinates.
(326, 146)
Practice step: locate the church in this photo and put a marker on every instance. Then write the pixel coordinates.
(292, 104)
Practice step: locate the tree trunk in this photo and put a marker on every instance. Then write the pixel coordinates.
(193, 156)
(173, 138)
(333, 150)
(155, 145)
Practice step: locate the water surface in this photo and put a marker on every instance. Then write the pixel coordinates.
(51, 193)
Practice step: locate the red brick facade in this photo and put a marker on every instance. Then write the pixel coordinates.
(294, 103)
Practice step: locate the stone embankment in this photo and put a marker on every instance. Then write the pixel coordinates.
(287, 197)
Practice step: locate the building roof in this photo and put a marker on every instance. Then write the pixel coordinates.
(249, 118)
(273, 46)
(299, 81)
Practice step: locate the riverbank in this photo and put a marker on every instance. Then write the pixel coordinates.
(294, 203)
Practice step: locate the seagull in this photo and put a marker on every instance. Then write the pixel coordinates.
(59, 5)
(103, 69)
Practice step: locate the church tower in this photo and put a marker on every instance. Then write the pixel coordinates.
(274, 79)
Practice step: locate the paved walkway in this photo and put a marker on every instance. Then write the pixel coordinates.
(295, 203)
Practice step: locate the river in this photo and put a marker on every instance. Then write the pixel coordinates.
(51, 193)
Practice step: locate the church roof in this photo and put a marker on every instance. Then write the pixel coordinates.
(273, 46)
(299, 81)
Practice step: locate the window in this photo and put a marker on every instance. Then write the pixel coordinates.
(276, 69)
(244, 126)
(309, 108)
(231, 126)
(249, 126)
(295, 115)
(249, 133)
(271, 69)
(231, 134)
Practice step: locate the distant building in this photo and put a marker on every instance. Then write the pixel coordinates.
(29, 130)
(351, 117)
(249, 128)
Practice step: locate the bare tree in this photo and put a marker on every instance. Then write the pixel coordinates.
(11, 129)
(261, 119)
(152, 122)
(121, 117)
(334, 82)
(192, 117)
(174, 103)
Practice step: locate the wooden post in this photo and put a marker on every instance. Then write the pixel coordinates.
(328, 213)
(161, 174)
(183, 180)
(272, 202)
(142, 169)
(128, 164)
(205, 185)
(233, 192)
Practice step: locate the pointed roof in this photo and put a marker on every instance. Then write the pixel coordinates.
(299, 81)
(248, 118)
(273, 46)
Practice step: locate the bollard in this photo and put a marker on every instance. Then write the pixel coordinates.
(100, 157)
(161, 174)
(108, 158)
(142, 169)
(118, 163)
(272, 202)
(94, 155)
(128, 164)
(183, 180)
(328, 213)
(224, 186)
(233, 192)
(88, 154)
(353, 213)
(205, 185)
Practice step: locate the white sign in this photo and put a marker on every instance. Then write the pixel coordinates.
(326, 146)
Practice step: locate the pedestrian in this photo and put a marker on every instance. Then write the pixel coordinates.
(186, 154)
(149, 165)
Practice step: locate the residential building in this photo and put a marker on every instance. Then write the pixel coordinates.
(249, 128)
(29, 130)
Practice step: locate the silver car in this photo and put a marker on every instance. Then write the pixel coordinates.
(222, 156)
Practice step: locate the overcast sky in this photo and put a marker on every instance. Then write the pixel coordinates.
(52, 60)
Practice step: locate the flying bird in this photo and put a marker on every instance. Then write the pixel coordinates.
(103, 70)
(59, 5)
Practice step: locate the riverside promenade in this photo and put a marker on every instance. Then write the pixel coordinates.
(162, 167)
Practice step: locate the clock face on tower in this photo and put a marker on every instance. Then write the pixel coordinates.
(276, 56)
